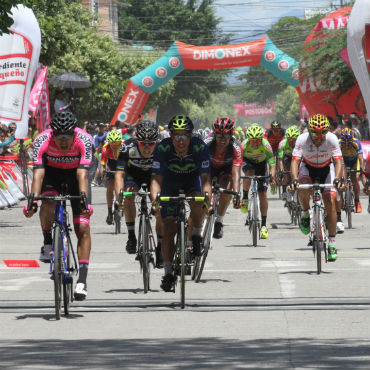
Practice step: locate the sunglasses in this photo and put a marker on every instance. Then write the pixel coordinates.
(147, 143)
(180, 137)
(63, 135)
(223, 136)
(255, 140)
(318, 135)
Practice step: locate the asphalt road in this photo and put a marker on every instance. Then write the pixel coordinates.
(255, 308)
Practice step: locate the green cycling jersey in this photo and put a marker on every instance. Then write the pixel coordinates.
(285, 149)
(259, 155)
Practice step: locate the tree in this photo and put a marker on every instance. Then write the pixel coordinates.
(288, 34)
(287, 106)
(69, 43)
(6, 19)
(159, 23)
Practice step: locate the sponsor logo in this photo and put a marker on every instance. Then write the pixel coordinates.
(221, 53)
(295, 74)
(187, 168)
(147, 81)
(163, 148)
(283, 65)
(161, 72)
(87, 145)
(129, 102)
(205, 164)
(63, 159)
(198, 148)
(174, 62)
(37, 145)
(156, 165)
(270, 56)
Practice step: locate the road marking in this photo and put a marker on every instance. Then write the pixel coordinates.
(18, 284)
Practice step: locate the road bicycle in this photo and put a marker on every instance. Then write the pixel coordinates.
(63, 265)
(349, 197)
(208, 227)
(182, 260)
(254, 213)
(146, 242)
(318, 234)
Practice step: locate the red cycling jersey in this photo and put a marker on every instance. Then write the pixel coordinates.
(274, 140)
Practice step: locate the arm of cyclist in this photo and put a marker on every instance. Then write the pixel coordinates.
(38, 177)
(118, 185)
(294, 167)
(207, 188)
(155, 188)
(236, 185)
(83, 183)
(338, 164)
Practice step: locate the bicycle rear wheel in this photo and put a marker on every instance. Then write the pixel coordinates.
(207, 238)
(317, 242)
(68, 281)
(255, 220)
(57, 270)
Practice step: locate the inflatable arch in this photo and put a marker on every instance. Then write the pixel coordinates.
(182, 56)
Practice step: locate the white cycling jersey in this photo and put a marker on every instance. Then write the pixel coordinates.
(317, 156)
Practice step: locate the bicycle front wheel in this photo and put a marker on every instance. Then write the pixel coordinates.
(145, 255)
(68, 282)
(57, 270)
(182, 262)
(255, 221)
(317, 242)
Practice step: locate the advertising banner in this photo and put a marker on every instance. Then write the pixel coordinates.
(19, 55)
(254, 110)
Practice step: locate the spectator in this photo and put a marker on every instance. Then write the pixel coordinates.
(60, 102)
(364, 130)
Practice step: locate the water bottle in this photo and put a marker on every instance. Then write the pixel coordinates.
(273, 189)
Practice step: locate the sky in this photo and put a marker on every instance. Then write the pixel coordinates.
(249, 19)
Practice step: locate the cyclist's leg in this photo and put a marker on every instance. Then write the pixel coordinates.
(248, 170)
(304, 198)
(130, 213)
(261, 170)
(286, 179)
(225, 181)
(355, 177)
(82, 229)
(109, 196)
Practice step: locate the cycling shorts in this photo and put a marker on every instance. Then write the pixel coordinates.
(52, 185)
(260, 169)
(137, 180)
(287, 160)
(325, 175)
(353, 164)
(223, 175)
(171, 187)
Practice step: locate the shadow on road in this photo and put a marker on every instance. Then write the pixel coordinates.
(177, 353)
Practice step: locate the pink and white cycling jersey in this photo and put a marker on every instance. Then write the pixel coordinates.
(317, 156)
(46, 153)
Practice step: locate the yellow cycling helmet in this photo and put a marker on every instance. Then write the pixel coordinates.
(318, 122)
(114, 136)
(255, 132)
(292, 132)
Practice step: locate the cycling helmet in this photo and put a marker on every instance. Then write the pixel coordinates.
(63, 121)
(275, 124)
(180, 123)
(147, 131)
(318, 122)
(292, 132)
(224, 124)
(255, 132)
(346, 134)
(114, 136)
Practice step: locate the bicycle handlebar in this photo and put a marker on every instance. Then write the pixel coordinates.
(256, 177)
(226, 191)
(57, 198)
(314, 186)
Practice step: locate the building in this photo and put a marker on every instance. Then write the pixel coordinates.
(107, 13)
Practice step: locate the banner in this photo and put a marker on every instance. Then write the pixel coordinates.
(254, 110)
(19, 55)
(37, 88)
(182, 56)
(358, 45)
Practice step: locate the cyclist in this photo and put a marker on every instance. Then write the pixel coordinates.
(312, 159)
(274, 135)
(134, 168)
(180, 162)
(108, 162)
(353, 159)
(226, 160)
(62, 155)
(285, 150)
(257, 154)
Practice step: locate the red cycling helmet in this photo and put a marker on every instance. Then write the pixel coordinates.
(224, 125)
